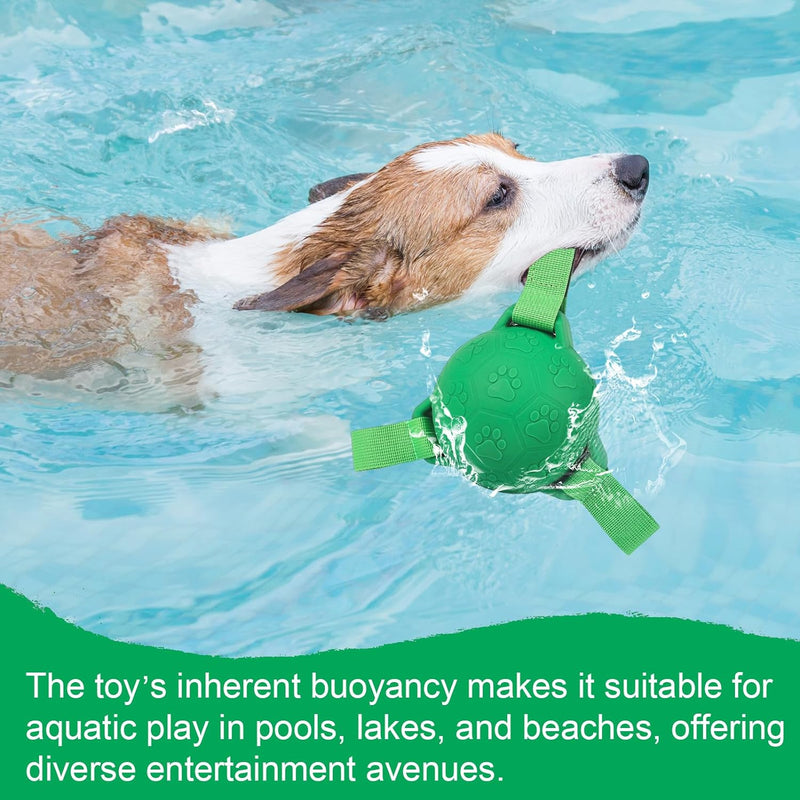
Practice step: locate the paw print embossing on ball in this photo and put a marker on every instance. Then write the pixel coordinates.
(457, 398)
(544, 422)
(489, 480)
(521, 340)
(489, 443)
(563, 372)
(504, 383)
(474, 348)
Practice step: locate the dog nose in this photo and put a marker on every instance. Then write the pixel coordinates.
(633, 173)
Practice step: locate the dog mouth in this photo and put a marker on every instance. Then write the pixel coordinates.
(580, 254)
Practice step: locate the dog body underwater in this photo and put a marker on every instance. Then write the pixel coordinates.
(443, 219)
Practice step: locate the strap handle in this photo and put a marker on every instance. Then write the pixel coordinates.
(615, 509)
(398, 443)
(545, 291)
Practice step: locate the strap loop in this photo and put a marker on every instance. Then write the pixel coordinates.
(399, 443)
(545, 291)
(615, 509)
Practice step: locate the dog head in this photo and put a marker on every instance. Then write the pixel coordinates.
(450, 217)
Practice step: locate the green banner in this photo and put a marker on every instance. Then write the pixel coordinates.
(595, 705)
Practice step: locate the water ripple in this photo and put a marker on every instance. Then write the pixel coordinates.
(233, 523)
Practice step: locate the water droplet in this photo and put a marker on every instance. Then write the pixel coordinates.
(425, 349)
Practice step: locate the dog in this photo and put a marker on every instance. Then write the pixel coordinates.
(444, 219)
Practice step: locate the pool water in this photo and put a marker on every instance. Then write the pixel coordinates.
(240, 527)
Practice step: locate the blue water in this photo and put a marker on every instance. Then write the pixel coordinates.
(239, 528)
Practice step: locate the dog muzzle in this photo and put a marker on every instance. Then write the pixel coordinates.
(514, 410)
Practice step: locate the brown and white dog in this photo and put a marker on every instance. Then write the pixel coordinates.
(443, 219)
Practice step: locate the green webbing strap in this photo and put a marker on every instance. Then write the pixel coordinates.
(398, 443)
(544, 292)
(610, 503)
(612, 506)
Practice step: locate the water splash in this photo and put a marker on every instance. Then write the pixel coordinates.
(189, 119)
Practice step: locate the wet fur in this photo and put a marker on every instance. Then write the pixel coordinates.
(68, 302)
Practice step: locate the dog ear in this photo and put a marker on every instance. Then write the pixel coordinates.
(327, 188)
(304, 289)
(365, 279)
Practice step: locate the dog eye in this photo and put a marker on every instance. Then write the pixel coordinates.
(499, 197)
(516, 145)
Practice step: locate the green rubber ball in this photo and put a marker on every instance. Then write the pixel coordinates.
(514, 408)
